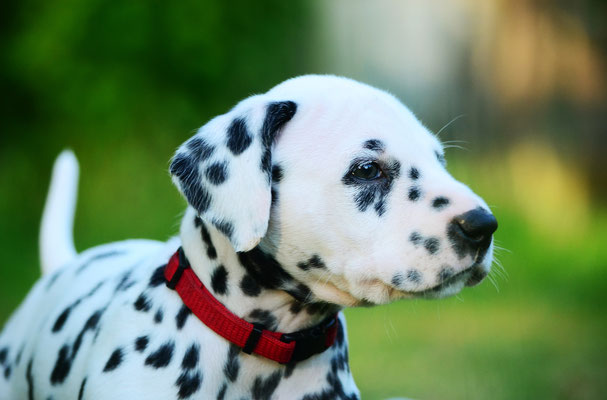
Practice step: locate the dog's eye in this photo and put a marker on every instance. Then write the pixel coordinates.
(368, 171)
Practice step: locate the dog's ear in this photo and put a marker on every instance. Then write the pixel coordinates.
(224, 170)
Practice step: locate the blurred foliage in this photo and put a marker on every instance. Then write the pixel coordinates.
(124, 83)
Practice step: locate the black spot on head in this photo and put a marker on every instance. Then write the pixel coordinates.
(182, 316)
(162, 356)
(185, 168)
(143, 303)
(440, 157)
(414, 193)
(81, 391)
(264, 388)
(188, 383)
(264, 318)
(432, 245)
(190, 358)
(238, 137)
(440, 202)
(219, 280)
(199, 148)
(375, 191)
(224, 227)
(277, 173)
(249, 286)
(206, 238)
(277, 114)
(414, 276)
(445, 273)
(141, 343)
(217, 173)
(415, 238)
(158, 316)
(232, 365)
(414, 174)
(374, 144)
(114, 361)
(157, 277)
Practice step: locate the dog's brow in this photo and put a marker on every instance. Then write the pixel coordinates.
(375, 145)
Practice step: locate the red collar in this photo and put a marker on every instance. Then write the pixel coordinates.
(252, 338)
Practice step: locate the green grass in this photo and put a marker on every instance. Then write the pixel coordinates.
(540, 336)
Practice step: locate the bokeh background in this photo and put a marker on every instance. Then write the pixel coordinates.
(516, 87)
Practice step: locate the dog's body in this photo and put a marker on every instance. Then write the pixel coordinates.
(320, 194)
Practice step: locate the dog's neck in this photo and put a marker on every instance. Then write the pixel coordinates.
(252, 285)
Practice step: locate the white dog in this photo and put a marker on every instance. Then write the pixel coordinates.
(321, 194)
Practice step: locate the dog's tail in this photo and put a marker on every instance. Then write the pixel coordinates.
(56, 229)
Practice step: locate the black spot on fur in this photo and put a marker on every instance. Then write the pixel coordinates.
(190, 358)
(264, 269)
(277, 114)
(53, 278)
(30, 380)
(217, 173)
(289, 368)
(264, 318)
(7, 372)
(274, 194)
(224, 227)
(114, 361)
(182, 316)
(414, 276)
(206, 238)
(313, 262)
(68, 353)
(81, 391)
(414, 174)
(264, 388)
(249, 286)
(158, 316)
(397, 279)
(276, 173)
(222, 392)
(441, 158)
(296, 307)
(188, 383)
(199, 148)
(124, 283)
(219, 280)
(141, 343)
(238, 137)
(157, 277)
(440, 202)
(143, 303)
(374, 144)
(414, 193)
(432, 245)
(445, 273)
(3, 355)
(162, 356)
(185, 168)
(98, 257)
(232, 365)
(340, 337)
(374, 191)
(60, 321)
(300, 292)
(415, 238)
(320, 307)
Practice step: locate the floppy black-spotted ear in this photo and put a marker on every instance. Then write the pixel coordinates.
(224, 170)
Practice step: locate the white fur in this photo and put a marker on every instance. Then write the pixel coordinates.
(56, 237)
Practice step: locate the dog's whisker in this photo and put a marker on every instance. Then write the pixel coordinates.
(449, 123)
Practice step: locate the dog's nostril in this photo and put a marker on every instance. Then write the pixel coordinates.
(476, 225)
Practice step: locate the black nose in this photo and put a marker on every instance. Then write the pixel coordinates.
(471, 232)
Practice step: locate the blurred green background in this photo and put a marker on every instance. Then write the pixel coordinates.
(124, 83)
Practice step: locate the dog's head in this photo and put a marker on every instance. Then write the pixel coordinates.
(344, 187)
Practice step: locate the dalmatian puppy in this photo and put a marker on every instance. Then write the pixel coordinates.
(321, 194)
